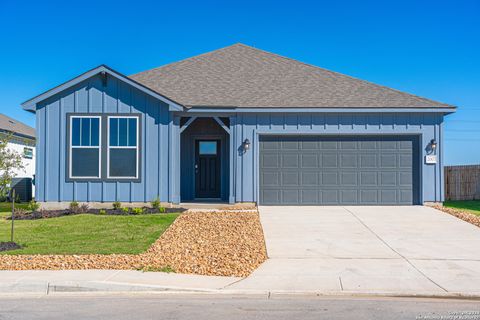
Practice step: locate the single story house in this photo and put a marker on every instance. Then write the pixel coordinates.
(21, 139)
(237, 125)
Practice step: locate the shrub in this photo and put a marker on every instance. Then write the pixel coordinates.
(137, 210)
(83, 208)
(162, 209)
(20, 211)
(155, 203)
(117, 205)
(33, 206)
(74, 207)
(125, 210)
(102, 212)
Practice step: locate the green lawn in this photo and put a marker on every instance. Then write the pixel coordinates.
(7, 206)
(86, 233)
(472, 206)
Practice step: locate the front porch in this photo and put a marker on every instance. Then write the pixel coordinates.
(206, 166)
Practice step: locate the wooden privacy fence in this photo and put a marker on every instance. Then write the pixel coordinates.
(462, 182)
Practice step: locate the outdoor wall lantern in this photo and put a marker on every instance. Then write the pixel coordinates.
(246, 145)
(433, 145)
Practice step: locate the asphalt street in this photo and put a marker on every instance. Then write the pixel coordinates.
(212, 307)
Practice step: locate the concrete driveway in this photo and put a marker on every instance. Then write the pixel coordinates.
(392, 250)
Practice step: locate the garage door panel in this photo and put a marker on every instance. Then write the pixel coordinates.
(348, 145)
(269, 160)
(290, 179)
(338, 170)
(349, 196)
(405, 161)
(309, 160)
(290, 196)
(309, 145)
(368, 196)
(349, 160)
(270, 195)
(405, 196)
(388, 196)
(405, 178)
(330, 179)
(290, 161)
(388, 160)
(310, 178)
(368, 179)
(348, 178)
(269, 179)
(329, 160)
(310, 196)
(388, 179)
(330, 196)
(368, 160)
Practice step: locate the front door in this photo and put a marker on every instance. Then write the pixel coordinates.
(207, 169)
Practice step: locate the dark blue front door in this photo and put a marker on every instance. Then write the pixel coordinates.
(207, 169)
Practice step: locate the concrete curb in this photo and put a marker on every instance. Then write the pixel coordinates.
(102, 288)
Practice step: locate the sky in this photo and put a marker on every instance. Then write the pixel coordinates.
(428, 48)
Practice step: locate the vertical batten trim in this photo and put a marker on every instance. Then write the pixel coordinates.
(45, 165)
(231, 167)
(144, 156)
(89, 97)
(159, 187)
(60, 147)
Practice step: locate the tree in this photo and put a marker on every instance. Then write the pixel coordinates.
(10, 160)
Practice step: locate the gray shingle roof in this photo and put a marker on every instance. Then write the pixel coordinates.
(242, 76)
(16, 127)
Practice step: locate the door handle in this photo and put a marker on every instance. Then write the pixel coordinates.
(196, 168)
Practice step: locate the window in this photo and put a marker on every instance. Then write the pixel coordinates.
(84, 153)
(208, 147)
(122, 147)
(28, 153)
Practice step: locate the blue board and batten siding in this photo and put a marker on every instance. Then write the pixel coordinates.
(161, 143)
(90, 96)
(250, 126)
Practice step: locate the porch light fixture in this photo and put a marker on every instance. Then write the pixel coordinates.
(433, 145)
(246, 145)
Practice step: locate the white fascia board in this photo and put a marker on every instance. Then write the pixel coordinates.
(30, 105)
(322, 110)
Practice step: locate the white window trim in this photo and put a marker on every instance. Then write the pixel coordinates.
(137, 147)
(99, 147)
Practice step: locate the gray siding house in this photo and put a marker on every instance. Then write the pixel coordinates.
(237, 125)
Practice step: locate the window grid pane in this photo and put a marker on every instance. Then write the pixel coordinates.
(75, 131)
(122, 135)
(85, 132)
(132, 132)
(95, 132)
(113, 132)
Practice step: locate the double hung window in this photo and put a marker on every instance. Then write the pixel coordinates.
(122, 150)
(85, 147)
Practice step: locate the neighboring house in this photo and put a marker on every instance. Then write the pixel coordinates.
(22, 141)
(237, 125)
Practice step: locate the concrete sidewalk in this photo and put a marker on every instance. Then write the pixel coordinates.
(40, 283)
(48, 282)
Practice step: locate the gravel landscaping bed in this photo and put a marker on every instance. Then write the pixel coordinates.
(206, 243)
(464, 215)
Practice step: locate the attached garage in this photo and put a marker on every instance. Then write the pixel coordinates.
(339, 170)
